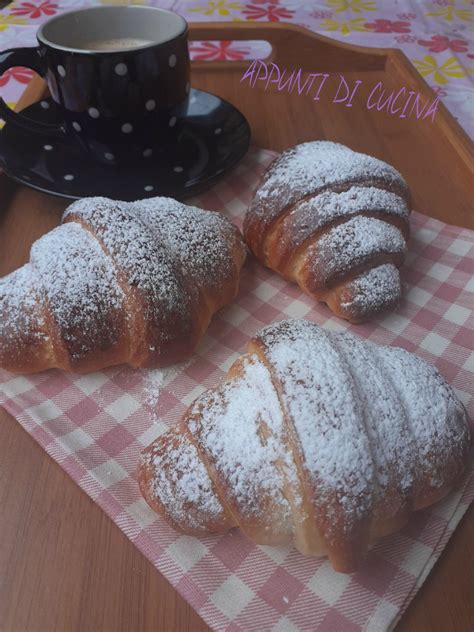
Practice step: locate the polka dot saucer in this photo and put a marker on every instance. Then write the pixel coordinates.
(213, 138)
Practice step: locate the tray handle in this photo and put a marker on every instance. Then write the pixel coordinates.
(292, 46)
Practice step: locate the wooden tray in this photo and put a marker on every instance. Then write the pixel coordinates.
(82, 571)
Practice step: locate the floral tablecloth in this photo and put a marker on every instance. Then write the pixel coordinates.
(436, 35)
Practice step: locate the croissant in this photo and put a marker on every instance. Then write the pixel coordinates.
(116, 283)
(335, 222)
(313, 438)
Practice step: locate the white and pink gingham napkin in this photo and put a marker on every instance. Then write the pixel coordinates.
(94, 426)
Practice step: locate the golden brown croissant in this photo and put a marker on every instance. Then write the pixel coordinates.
(314, 438)
(335, 222)
(118, 282)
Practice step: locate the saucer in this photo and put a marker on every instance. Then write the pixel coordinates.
(214, 137)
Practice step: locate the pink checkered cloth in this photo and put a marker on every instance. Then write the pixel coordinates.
(94, 426)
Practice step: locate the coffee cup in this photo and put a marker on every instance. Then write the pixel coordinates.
(118, 76)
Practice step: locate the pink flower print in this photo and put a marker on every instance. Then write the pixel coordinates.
(20, 74)
(35, 10)
(440, 43)
(269, 13)
(388, 26)
(217, 51)
(406, 16)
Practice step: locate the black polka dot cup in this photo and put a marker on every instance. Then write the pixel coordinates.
(119, 76)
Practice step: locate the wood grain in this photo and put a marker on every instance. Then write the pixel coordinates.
(64, 565)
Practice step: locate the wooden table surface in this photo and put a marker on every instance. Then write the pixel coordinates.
(64, 565)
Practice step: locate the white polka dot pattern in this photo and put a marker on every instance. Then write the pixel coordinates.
(121, 69)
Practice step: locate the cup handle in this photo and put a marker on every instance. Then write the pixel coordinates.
(30, 58)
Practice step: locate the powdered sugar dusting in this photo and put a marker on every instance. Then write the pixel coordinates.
(80, 285)
(20, 313)
(372, 291)
(182, 485)
(201, 242)
(436, 418)
(347, 245)
(385, 419)
(169, 251)
(319, 395)
(365, 415)
(311, 215)
(23, 330)
(240, 427)
(311, 167)
(154, 381)
(144, 259)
